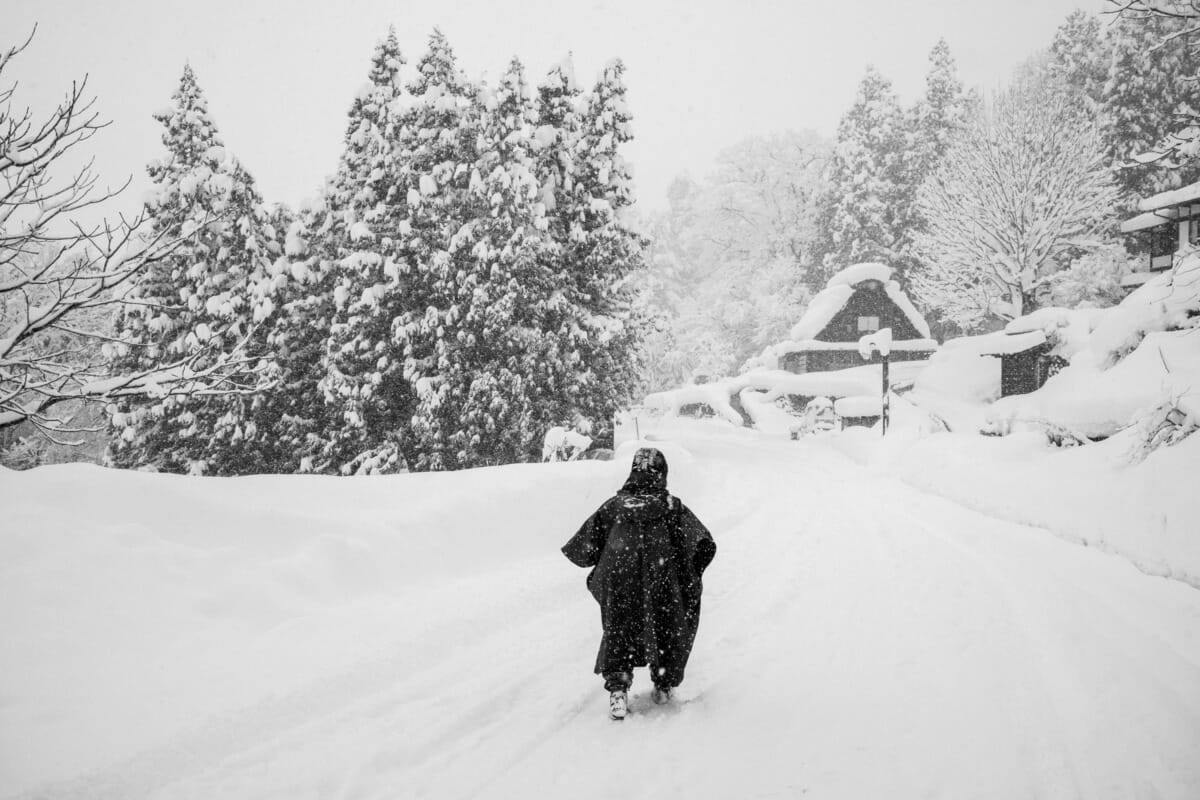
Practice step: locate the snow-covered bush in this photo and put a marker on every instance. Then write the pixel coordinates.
(1167, 302)
(1093, 280)
(561, 444)
(25, 453)
(1056, 434)
(819, 417)
(1166, 424)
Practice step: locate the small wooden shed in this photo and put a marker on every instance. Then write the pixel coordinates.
(1026, 362)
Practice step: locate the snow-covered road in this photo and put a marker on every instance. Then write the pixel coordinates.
(859, 639)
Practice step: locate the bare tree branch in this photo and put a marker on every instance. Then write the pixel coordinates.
(55, 271)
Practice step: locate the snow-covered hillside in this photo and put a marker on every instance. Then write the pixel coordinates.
(421, 636)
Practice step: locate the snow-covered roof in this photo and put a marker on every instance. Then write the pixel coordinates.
(714, 395)
(810, 345)
(1067, 330)
(823, 308)
(1009, 343)
(856, 274)
(1150, 219)
(838, 291)
(1175, 197)
(862, 405)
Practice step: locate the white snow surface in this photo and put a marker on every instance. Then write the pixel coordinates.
(863, 405)
(884, 618)
(760, 388)
(958, 382)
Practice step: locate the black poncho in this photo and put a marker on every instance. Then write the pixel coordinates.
(649, 552)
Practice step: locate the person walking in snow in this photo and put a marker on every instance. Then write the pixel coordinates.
(648, 552)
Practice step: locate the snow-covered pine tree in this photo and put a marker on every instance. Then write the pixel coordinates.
(939, 115)
(602, 252)
(294, 406)
(932, 123)
(555, 139)
(561, 152)
(1080, 56)
(438, 144)
(560, 110)
(1151, 90)
(215, 293)
(361, 285)
(505, 372)
(858, 221)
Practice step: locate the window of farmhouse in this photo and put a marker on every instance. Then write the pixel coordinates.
(868, 324)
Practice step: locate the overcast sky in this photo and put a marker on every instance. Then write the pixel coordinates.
(279, 76)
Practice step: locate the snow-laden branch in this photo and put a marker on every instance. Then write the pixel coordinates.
(55, 273)
(1020, 184)
(233, 374)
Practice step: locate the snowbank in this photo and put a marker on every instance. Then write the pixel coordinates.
(1097, 403)
(135, 603)
(758, 390)
(959, 382)
(1123, 361)
(1146, 512)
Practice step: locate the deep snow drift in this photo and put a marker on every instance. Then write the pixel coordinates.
(421, 636)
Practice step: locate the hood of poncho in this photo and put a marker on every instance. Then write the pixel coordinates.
(648, 475)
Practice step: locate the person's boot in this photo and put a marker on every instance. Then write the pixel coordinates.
(661, 694)
(618, 704)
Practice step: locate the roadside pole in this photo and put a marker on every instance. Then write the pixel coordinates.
(879, 342)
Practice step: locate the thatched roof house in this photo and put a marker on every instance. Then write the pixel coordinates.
(858, 300)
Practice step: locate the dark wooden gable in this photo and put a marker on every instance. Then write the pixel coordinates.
(870, 299)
